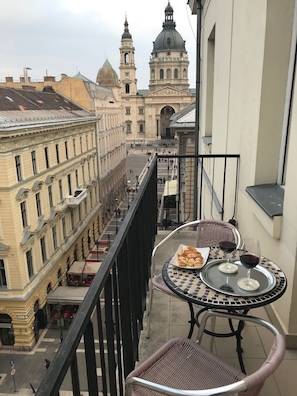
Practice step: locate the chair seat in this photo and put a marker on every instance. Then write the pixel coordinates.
(159, 284)
(183, 364)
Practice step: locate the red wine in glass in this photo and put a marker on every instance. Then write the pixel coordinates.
(228, 247)
(249, 258)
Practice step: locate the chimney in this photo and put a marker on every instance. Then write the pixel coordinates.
(9, 79)
(28, 87)
(49, 78)
(63, 75)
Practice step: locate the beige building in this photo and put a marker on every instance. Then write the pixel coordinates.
(104, 99)
(248, 107)
(147, 112)
(49, 204)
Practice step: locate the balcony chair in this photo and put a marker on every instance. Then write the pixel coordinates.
(183, 367)
(209, 234)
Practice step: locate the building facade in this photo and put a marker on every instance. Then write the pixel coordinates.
(147, 112)
(104, 99)
(248, 107)
(49, 207)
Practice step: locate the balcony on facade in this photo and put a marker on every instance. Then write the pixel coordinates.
(77, 198)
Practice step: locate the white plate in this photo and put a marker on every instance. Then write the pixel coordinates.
(203, 251)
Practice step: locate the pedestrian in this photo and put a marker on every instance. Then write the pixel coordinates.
(47, 363)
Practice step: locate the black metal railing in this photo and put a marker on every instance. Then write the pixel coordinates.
(110, 319)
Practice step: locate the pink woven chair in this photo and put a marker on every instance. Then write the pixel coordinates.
(209, 234)
(183, 367)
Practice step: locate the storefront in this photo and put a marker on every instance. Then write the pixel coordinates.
(64, 303)
(81, 273)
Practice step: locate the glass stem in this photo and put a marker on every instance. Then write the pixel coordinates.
(249, 273)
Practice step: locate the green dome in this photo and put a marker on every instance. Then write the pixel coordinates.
(107, 76)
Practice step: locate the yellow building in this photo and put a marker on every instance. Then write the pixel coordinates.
(104, 99)
(49, 204)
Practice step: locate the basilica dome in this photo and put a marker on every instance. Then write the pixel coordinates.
(107, 76)
(169, 39)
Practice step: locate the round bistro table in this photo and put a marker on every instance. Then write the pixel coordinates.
(187, 284)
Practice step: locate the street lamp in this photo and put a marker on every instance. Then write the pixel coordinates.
(97, 243)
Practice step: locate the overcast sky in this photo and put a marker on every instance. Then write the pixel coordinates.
(70, 36)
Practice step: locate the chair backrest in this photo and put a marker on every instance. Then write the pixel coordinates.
(212, 232)
(255, 381)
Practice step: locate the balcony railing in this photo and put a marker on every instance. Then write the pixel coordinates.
(114, 307)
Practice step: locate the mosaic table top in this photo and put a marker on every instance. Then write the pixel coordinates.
(188, 285)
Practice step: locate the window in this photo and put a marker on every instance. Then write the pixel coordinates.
(69, 184)
(127, 88)
(38, 204)
(54, 233)
(175, 73)
(72, 219)
(57, 154)
(43, 249)
(66, 150)
(91, 198)
(128, 128)
(128, 111)
(76, 177)
(141, 128)
(83, 247)
(140, 110)
(29, 260)
(46, 157)
(83, 172)
(33, 159)
(94, 167)
(64, 228)
(168, 74)
(50, 196)
(3, 282)
(161, 74)
(89, 170)
(18, 167)
(61, 189)
(81, 146)
(24, 214)
(74, 147)
(126, 57)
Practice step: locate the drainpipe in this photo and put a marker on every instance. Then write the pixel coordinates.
(197, 125)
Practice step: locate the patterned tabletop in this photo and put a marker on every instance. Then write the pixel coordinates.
(188, 285)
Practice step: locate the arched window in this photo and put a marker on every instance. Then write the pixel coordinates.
(161, 74)
(49, 288)
(175, 73)
(127, 88)
(168, 74)
(126, 57)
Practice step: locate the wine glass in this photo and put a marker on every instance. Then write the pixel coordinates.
(249, 258)
(228, 267)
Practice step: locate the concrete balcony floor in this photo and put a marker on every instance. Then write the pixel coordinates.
(169, 319)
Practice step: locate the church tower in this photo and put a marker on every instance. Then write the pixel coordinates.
(169, 59)
(127, 63)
